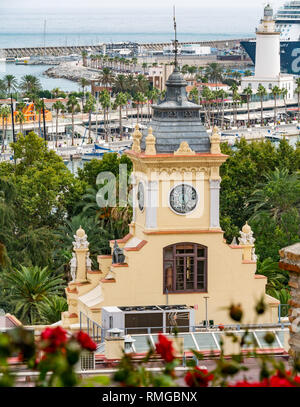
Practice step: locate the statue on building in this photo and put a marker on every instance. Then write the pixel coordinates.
(81, 241)
(253, 255)
(88, 262)
(246, 235)
(118, 256)
(73, 267)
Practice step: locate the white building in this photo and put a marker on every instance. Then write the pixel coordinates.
(267, 59)
(194, 49)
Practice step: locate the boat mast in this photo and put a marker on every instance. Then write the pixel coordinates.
(45, 26)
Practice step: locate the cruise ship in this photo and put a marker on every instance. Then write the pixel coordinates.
(287, 21)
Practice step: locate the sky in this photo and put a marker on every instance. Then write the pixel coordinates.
(38, 4)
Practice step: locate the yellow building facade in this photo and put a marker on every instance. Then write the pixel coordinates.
(175, 252)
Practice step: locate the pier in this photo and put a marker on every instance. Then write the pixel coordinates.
(67, 50)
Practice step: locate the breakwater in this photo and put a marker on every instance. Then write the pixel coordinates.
(67, 50)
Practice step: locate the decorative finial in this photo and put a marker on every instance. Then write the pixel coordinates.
(150, 143)
(184, 149)
(246, 228)
(80, 232)
(136, 136)
(215, 141)
(247, 241)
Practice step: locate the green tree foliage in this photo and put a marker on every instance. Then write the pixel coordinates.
(110, 162)
(50, 310)
(28, 288)
(97, 236)
(260, 183)
(36, 195)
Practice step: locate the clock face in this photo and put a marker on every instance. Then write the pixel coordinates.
(141, 196)
(183, 198)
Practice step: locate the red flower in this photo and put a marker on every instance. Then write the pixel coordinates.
(55, 337)
(165, 348)
(198, 378)
(85, 341)
(245, 383)
(278, 380)
(284, 380)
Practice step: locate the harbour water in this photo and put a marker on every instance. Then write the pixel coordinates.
(37, 70)
(25, 27)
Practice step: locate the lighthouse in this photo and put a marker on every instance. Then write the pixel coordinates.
(267, 59)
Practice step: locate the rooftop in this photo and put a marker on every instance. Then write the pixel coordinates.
(176, 119)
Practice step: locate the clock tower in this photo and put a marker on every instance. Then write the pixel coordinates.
(176, 168)
(175, 252)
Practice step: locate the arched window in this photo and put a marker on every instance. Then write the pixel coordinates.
(185, 268)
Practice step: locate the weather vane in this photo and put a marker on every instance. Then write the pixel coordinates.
(175, 41)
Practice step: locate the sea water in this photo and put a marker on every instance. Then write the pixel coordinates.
(25, 28)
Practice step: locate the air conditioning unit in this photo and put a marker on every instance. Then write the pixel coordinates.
(112, 317)
(150, 318)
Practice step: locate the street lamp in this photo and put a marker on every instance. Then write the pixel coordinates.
(206, 311)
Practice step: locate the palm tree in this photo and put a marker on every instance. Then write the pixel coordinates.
(194, 94)
(297, 91)
(121, 100)
(261, 91)
(106, 77)
(56, 92)
(237, 76)
(236, 99)
(247, 73)
(21, 119)
(58, 107)
(233, 89)
(138, 99)
(184, 69)
(30, 85)
(11, 83)
(275, 92)
(142, 84)
(90, 107)
(144, 66)
(29, 288)
(152, 96)
(39, 105)
(248, 92)
(51, 310)
(222, 95)
(206, 97)
(84, 55)
(120, 83)
(134, 62)
(277, 279)
(83, 83)
(192, 70)
(73, 104)
(284, 93)
(277, 194)
(4, 112)
(104, 99)
(215, 72)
